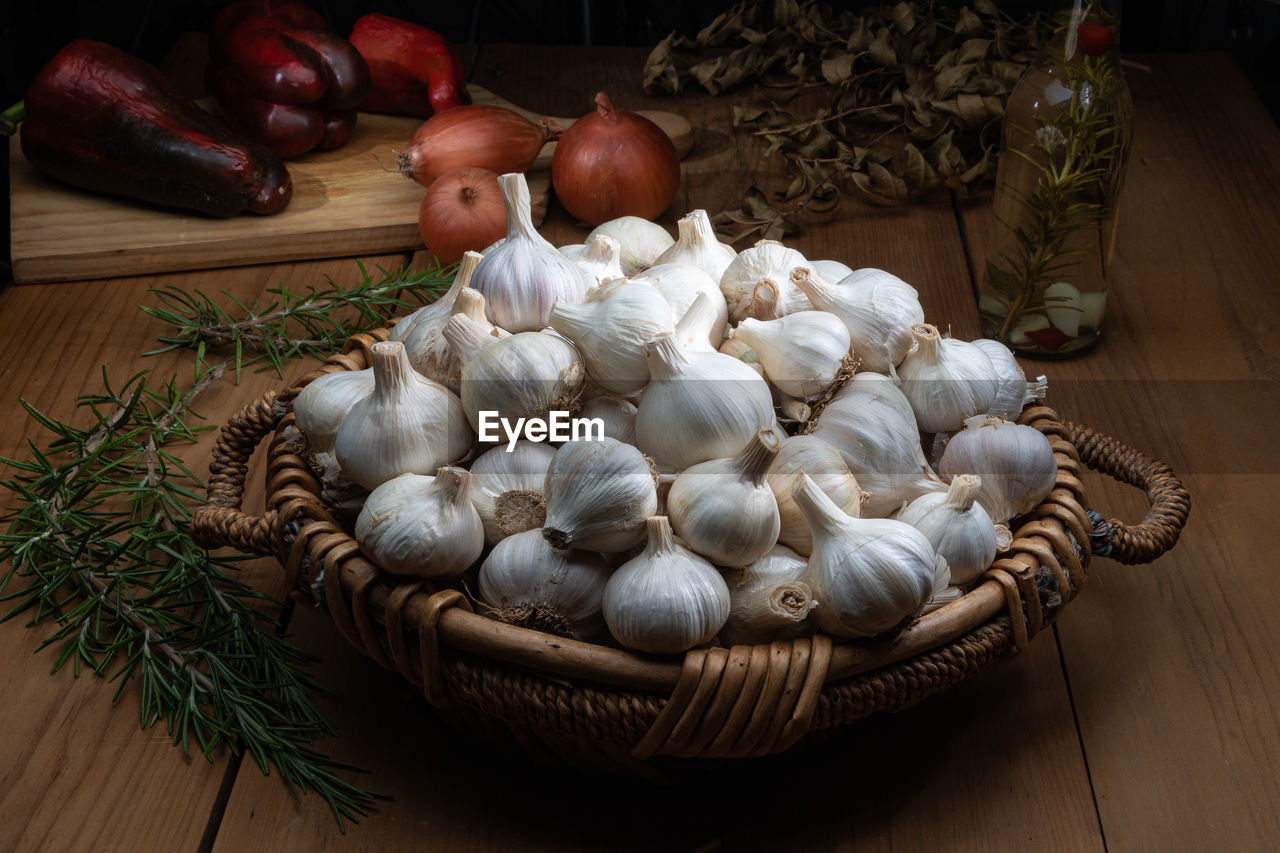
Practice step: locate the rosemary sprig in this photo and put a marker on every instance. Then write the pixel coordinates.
(99, 530)
(315, 322)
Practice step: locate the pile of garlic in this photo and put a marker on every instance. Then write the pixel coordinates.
(712, 505)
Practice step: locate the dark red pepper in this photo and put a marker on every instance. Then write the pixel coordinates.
(1047, 338)
(282, 78)
(414, 70)
(100, 119)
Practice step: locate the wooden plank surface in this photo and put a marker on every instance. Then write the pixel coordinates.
(1172, 665)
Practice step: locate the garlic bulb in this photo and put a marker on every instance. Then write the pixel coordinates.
(698, 406)
(723, 509)
(465, 338)
(1015, 462)
(697, 328)
(1015, 392)
(959, 529)
(599, 494)
(877, 387)
(882, 449)
(617, 414)
(946, 380)
(878, 309)
(697, 245)
(598, 258)
(680, 285)
(766, 261)
(668, 599)
(809, 454)
(320, 407)
(524, 376)
(443, 306)
(533, 585)
(421, 525)
(738, 348)
(831, 270)
(429, 350)
(640, 241)
(869, 575)
(524, 276)
(768, 600)
(507, 488)
(801, 353)
(407, 424)
(610, 330)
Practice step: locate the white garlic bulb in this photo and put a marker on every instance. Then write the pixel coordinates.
(443, 306)
(877, 387)
(767, 261)
(320, 407)
(946, 380)
(834, 271)
(768, 600)
(524, 376)
(738, 348)
(802, 353)
(724, 509)
(878, 309)
(882, 449)
(668, 599)
(1015, 462)
(869, 575)
(599, 494)
(957, 526)
(617, 415)
(610, 329)
(697, 245)
(598, 258)
(407, 424)
(531, 584)
(421, 525)
(698, 406)
(1015, 392)
(429, 350)
(524, 276)
(697, 328)
(809, 454)
(640, 241)
(507, 485)
(680, 285)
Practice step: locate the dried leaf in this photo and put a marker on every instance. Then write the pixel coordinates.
(973, 51)
(969, 24)
(660, 74)
(904, 17)
(881, 50)
(837, 69)
(785, 12)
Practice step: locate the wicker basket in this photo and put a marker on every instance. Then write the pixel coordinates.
(612, 709)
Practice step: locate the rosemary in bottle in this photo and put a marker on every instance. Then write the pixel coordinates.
(1068, 125)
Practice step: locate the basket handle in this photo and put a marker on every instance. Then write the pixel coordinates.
(220, 521)
(1169, 502)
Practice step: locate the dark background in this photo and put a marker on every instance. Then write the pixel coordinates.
(32, 32)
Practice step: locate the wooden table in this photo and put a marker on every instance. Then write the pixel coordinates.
(1147, 719)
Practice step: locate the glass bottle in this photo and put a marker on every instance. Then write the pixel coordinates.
(1067, 129)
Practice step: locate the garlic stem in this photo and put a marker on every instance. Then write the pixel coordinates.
(757, 457)
(963, 491)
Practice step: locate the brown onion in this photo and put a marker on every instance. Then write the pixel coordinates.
(487, 137)
(614, 163)
(462, 211)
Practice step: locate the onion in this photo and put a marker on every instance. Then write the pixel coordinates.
(488, 137)
(462, 211)
(614, 163)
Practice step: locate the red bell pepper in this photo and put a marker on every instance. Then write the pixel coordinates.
(282, 78)
(415, 71)
(100, 119)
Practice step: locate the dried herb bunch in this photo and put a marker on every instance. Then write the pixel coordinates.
(98, 541)
(912, 96)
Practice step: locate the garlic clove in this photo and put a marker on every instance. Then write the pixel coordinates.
(802, 353)
(1092, 305)
(697, 245)
(769, 599)
(1063, 307)
(667, 600)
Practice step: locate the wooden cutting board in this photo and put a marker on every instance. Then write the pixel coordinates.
(345, 202)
